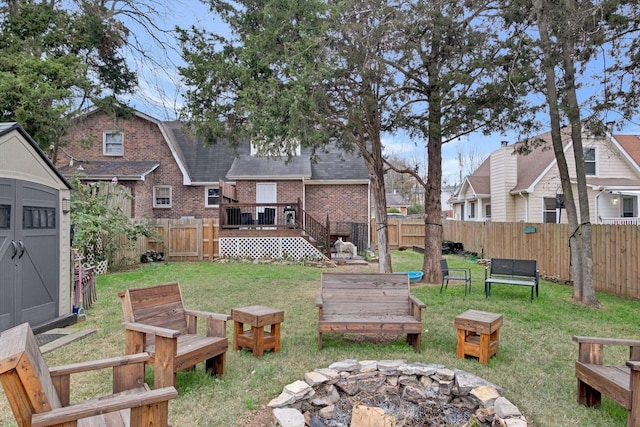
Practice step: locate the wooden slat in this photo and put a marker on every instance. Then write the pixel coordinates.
(368, 303)
(612, 381)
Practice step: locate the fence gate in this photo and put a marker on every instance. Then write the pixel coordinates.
(185, 239)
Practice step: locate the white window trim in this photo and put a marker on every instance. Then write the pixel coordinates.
(104, 142)
(544, 211)
(206, 196)
(595, 161)
(155, 205)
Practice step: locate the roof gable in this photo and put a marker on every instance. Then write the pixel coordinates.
(46, 175)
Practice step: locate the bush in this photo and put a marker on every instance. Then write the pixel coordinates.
(97, 227)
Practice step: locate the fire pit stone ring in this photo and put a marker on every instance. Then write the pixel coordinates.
(393, 392)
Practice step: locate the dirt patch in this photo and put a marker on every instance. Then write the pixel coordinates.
(261, 417)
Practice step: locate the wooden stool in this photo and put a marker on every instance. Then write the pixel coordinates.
(256, 338)
(478, 334)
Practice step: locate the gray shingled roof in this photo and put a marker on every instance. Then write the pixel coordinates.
(204, 164)
(333, 163)
(210, 164)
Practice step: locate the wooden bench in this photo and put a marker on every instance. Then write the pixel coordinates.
(520, 272)
(40, 396)
(620, 383)
(369, 303)
(157, 322)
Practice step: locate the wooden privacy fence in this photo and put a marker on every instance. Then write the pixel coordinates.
(616, 248)
(179, 240)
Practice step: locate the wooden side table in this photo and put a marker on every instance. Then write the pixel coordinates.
(478, 334)
(256, 338)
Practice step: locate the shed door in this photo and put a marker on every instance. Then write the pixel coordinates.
(7, 254)
(29, 254)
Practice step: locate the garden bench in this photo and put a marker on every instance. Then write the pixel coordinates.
(157, 322)
(369, 303)
(620, 383)
(520, 272)
(40, 396)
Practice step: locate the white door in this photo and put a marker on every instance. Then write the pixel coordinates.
(266, 192)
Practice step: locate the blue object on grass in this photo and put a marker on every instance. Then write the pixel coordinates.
(414, 276)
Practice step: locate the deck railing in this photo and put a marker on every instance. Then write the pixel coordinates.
(265, 216)
(621, 221)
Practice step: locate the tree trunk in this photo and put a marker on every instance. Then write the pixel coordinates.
(375, 165)
(433, 214)
(583, 286)
(433, 190)
(577, 234)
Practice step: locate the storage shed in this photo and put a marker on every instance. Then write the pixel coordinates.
(35, 223)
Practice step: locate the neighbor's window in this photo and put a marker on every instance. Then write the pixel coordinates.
(487, 211)
(590, 161)
(113, 143)
(627, 207)
(549, 211)
(472, 210)
(162, 196)
(212, 196)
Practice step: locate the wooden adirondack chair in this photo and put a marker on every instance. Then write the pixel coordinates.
(40, 396)
(157, 322)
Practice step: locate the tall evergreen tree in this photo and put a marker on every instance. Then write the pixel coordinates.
(305, 72)
(457, 76)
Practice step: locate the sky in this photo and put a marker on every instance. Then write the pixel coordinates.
(160, 89)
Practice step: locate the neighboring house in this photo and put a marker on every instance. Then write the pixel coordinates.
(172, 174)
(395, 201)
(446, 194)
(513, 187)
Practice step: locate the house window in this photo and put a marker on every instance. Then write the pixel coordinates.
(487, 211)
(627, 207)
(162, 196)
(113, 143)
(212, 196)
(549, 211)
(472, 210)
(590, 161)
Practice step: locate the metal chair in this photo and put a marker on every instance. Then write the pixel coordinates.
(461, 274)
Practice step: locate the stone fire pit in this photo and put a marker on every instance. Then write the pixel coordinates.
(385, 393)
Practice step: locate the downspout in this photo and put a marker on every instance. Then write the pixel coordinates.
(369, 213)
(526, 207)
(596, 203)
(304, 195)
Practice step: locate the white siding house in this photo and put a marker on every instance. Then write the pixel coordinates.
(527, 187)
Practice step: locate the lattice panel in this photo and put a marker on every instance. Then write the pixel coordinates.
(268, 247)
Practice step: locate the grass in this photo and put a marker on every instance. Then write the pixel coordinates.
(534, 364)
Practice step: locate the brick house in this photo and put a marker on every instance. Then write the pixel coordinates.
(172, 174)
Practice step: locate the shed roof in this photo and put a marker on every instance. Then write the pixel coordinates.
(7, 127)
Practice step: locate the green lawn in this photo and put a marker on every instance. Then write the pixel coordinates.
(534, 364)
